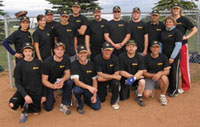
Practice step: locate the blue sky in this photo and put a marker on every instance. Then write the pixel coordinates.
(35, 7)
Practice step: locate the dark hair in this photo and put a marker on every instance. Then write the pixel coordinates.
(40, 17)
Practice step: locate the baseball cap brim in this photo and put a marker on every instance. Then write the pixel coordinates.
(28, 47)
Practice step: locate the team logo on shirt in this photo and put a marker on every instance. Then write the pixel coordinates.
(158, 29)
(111, 65)
(89, 71)
(68, 30)
(35, 68)
(78, 20)
(159, 64)
(178, 23)
(134, 64)
(48, 34)
(120, 25)
(52, 27)
(170, 35)
(29, 36)
(62, 66)
(102, 26)
(140, 27)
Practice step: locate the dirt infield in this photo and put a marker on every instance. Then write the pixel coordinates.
(182, 111)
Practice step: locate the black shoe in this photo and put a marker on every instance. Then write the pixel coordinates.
(81, 111)
(140, 101)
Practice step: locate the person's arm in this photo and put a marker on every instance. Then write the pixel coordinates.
(7, 46)
(75, 43)
(175, 52)
(46, 83)
(82, 29)
(126, 39)
(191, 33)
(94, 84)
(87, 43)
(37, 50)
(148, 75)
(107, 77)
(157, 76)
(108, 39)
(65, 77)
(145, 45)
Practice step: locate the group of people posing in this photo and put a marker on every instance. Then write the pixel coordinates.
(89, 58)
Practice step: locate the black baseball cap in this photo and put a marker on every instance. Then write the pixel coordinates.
(24, 18)
(27, 45)
(136, 9)
(107, 45)
(155, 43)
(59, 44)
(81, 48)
(116, 8)
(131, 42)
(97, 9)
(64, 13)
(155, 12)
(76, 3)
(176, 5)
(48, 12)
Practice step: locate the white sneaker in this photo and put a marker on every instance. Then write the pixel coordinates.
(65, 109)
(163, 100)
(181, 91)
(115, 106)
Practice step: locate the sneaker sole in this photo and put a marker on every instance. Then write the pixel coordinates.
(66, 113)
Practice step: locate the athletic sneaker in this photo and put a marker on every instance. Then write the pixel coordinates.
(181, 91)
(140, 101)
(81, 111)
(23, 117)
(173, 95)
(65, 109)
(115, 106)
(163, 100)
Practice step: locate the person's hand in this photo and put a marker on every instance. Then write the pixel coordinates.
(157, 76)
(144, 53)
(118, 46)
(117, 77)
(171, 60)
(93, 99)
(185, 37)
(89, 52)
(18, 55)
(92, 90)
(43, 99)
(28, 99)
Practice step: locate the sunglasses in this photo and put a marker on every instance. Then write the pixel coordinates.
(116, 11)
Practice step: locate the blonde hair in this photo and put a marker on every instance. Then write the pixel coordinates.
(170, 18)
(181, 12)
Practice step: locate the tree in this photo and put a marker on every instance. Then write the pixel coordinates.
(2, 32)
(167, 4)
(86, 5)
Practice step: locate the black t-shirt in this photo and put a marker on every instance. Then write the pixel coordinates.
(28, 77)
(95, 30)
(169, 38)
(49, 27)
(154, 65)
(154, 31)
(18, 38)
(106, 66)
(78, 22)
(131, 65)
(55, 69)
(85, 73)
(43, 38)
(138, 30)
(184, 24)
(66, 34)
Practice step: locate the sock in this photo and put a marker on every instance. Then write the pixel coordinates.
(162, 95)
(139, 95)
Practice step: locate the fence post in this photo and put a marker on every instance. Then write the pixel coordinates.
(8, 54)
(197, 42)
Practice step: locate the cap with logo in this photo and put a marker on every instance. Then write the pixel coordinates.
(64, 13)
(97, 9)
(107, 45)
(131, 42)
(116, 8)
(27, 45)
(81, 48)
(59, 44)
(48, 12)
(155, 12)
(136, 9)
(176, 5)
(24, 18)
(155, 43)
(76, 3)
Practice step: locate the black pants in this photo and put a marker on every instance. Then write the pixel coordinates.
(102, 90)
(174, 76)
(18, 100)
(66, 98)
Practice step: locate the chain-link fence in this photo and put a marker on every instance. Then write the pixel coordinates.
(11, 24)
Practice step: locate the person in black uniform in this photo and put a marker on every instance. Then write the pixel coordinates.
(18, 38)
(156, 70)
(139, 32)
(28, 82)
(155, 27)
(172, 42)
(55, 75)
(42, 39)
(66, 32)
(116, 32)
(84, 77)
(79, 21)
(131, 69)
(50, 24)
(107, 67)
(94, 38)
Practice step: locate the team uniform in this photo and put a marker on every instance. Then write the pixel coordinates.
(18, 38)
(95, 31)
(138, 30)
(78, 22)
(154, 65)
(169, 39)
(117, 31)
(43, 38)
(132, 66)
(183, 24)
(154, 32)
(85, 73)
(55, 70)
(66, 34)
(28, 81)
(109, 67)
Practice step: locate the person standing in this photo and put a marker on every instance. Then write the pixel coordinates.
(184, 25)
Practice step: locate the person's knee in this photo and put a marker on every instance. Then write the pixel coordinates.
(48, 107)
(147, 93)
(97, 107)
(77, 90)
